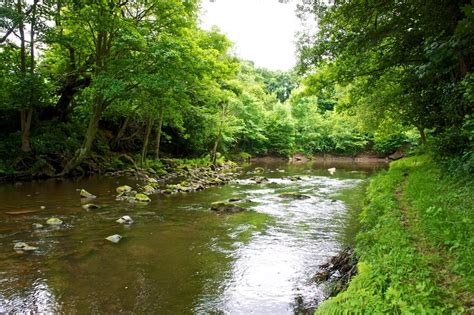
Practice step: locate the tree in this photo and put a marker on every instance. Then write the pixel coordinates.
(118, 35)
(414, 55)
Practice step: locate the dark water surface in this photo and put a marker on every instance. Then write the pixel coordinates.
(178, 257)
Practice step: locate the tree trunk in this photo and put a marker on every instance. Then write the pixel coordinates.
(158, 133)
(145, 140)
(219, 135)
(27, 111)
(421, 130)
(120, 133)
(91, 132)
(25, 116)
(214, 149)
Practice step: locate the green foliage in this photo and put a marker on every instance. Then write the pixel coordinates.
(389, 143)
(414, 245)
(405, 64)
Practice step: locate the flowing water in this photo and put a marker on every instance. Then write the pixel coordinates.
(178, 257)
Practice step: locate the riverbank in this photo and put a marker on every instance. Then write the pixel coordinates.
(415, 246)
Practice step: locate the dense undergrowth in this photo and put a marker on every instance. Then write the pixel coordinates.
(415, 244)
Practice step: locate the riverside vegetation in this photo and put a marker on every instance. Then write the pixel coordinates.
(110, 87)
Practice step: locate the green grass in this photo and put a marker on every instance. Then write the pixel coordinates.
(415, 245)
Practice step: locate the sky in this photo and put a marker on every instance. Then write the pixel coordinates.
(262, 30)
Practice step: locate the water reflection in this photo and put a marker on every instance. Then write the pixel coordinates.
(37, 298)
(271, 273)
(178, 257)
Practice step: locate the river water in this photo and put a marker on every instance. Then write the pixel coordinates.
(178, 257)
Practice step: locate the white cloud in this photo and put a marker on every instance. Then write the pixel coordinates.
(262, 30)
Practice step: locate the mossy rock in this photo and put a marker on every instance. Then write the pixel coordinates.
(123, 189)
(54, 221)
(227, 207)
(148, 189)
(85, 194)
(142, 198)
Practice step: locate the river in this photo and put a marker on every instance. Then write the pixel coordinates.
(178, 257)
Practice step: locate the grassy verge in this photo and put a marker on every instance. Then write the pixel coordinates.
(415, 245)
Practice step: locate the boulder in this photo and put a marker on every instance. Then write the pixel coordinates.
(90, 206)
(259, 169)
(123, 189)
(24, 247)
(148, 189)
(151, 180)
(142, 198)
(125, 220)
(114, 238)
(54, 221)
(224, 206)
(295, 178)
(396, 156)
(85, 194)
(332, 170)
(293, 195)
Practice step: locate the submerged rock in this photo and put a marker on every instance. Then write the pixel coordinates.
(224, 206)
(123, 189)
(54, 221)
(85, 194)
(37, 226)
(293, 195)
(235, 199)
(114, 238)
(259, 179)
(295, 178)
(22, 246)
(125, 220)
(142, 198)
(90, 206)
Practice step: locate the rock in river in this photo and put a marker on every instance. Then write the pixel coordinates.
(259, 179)
(85, 194)
(123, 189)
(125, 220)
(90, 206)
(148, 189)
(37, 226)
(114, 238)
(21, 246)
(54, 221)
(224, 206)
(293, 195)
(142, 198)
